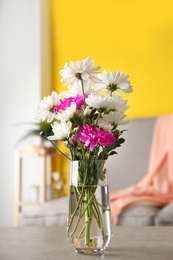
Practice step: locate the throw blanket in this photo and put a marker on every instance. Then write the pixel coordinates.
(156, 188)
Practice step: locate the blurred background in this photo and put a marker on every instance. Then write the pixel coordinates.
(37, 37)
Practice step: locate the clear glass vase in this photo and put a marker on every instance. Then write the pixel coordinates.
(89, 218)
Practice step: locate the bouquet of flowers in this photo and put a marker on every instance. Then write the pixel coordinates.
(87, 115)
(86, 118)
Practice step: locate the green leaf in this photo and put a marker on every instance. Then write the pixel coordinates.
(117, 143)
(112, 153)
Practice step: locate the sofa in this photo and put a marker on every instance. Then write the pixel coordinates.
(125, 169)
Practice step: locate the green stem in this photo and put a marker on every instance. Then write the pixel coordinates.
(96, 215)
(99, 217)
(98, 118)
(77, 206)
(77, 223)
(88, 218)
(78, 203)
(103, 206)
(81, 232)
(88, 203)
(60, 151)
(83, 92)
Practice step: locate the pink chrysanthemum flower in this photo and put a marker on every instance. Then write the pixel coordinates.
(92, 136)
(66, 102)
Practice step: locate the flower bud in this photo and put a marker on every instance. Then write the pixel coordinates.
(42, 133)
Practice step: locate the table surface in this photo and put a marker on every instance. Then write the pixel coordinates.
(50, 243)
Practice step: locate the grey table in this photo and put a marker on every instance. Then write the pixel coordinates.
(44, 243)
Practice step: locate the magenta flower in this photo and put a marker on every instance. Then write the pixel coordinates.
(66, 102)
(92, 136)
(106, 138)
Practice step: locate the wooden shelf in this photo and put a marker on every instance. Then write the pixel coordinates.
(44, 154)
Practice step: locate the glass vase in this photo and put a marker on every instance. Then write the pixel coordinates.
(89, 219)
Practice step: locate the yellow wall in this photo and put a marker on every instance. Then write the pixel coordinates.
(134, 36)
(127, 35)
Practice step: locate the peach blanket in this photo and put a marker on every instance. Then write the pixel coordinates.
(156, 188)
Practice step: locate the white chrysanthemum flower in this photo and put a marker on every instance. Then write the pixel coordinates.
(103, 124)
(120, 103)
(84, 69)
(66, 115)
(61, 130)
(113, 118)
(100, 101)
(66, 94)
(112, 81)
(45, 107)
(76, 88)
